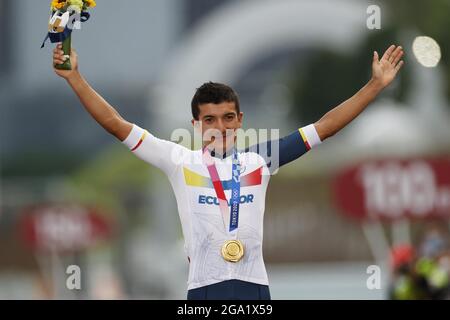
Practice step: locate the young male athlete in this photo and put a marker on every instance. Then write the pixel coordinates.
(220, 190)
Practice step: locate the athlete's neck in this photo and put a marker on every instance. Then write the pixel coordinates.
(219, 152)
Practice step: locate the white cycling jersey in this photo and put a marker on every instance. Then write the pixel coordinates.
(198, 207)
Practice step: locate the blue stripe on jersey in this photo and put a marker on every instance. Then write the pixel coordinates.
(291, 147)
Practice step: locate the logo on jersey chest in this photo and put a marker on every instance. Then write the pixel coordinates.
(203, 199)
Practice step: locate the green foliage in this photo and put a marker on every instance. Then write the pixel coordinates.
(110, 177)
(430, 18)
(326, 78)
(329, 78)
(39, 163)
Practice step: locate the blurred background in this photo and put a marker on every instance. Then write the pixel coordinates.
(377, 193)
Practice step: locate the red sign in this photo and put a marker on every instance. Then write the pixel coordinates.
(64, 228)
(392, 189)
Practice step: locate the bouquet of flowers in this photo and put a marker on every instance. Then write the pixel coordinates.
(66, 16)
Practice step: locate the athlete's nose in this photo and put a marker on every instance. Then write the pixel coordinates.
(221, 127)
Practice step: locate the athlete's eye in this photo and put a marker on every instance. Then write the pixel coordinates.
(230, 117)
(208, 120)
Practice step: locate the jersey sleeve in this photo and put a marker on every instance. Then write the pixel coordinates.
(298, 143)
(290, 147)
(160, 153)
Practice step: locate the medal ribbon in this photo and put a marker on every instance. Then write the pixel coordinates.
(231, 214)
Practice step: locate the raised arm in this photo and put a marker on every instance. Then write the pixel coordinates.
(99, 109)
(383, 73)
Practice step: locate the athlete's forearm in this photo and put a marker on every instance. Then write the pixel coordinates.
(340, 116)
(99, 109)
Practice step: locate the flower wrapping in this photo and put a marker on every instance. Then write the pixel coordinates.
(66, 15)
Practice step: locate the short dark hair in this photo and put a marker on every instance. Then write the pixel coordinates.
(212, 92)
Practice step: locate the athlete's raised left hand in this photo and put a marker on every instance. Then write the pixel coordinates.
(385, 69)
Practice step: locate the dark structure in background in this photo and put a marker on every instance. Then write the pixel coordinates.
(5, 53)
(197, 9)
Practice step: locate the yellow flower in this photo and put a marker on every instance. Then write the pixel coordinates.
(58, 4)
(76, 4)
(90, 3)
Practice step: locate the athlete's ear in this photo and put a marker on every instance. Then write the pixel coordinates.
(197, 125)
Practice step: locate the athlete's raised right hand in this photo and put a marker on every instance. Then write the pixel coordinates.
(58, 58)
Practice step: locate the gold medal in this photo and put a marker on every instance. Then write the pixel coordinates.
(233, 250)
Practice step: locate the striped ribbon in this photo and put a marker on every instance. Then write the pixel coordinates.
(232, 214)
